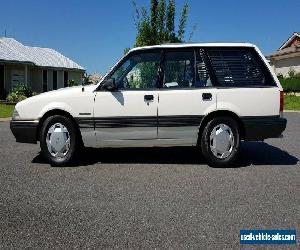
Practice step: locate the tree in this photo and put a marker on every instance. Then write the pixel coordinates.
(171, 20)
(126, 50)
(182, 22)
(157, 25)
(154, 5)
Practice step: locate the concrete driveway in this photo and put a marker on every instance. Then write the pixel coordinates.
(147, 198)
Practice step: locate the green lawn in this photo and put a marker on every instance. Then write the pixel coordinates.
(291, 102)
(6, 110)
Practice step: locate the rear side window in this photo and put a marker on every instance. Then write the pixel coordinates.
(179, 69)
(186, 68)
(238, 67)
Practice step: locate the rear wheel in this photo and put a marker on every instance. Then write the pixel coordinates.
(58, 139)
(220, 141)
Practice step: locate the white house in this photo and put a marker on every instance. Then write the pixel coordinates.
(43, 69)
(287, 57)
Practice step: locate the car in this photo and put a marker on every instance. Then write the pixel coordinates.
(209, 95)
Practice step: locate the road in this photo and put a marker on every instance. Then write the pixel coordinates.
(147, 198)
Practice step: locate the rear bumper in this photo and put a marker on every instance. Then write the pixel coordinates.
(24, 131)
(260, 128)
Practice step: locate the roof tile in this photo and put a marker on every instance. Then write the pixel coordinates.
(12, 50)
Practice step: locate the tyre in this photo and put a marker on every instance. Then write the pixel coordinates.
(220, 141)
(58, 140)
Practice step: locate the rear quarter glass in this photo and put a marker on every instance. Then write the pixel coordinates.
(240, 67)
(269, 68)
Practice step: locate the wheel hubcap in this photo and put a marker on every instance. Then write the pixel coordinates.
(221, 141)
(58, 140)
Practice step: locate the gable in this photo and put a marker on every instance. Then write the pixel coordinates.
(293, 41)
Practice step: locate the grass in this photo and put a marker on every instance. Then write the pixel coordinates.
(6, 110)
(292, 102)
(291, 84)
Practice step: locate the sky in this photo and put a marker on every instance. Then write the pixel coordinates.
(95, 33)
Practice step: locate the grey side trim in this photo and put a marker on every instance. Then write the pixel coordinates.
(139, 121)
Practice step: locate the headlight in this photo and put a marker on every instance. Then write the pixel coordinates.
(15, 115)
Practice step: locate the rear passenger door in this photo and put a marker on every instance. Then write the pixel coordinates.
(186, 94)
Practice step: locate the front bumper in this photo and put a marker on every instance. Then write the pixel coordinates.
(260, 128)
(24, 131)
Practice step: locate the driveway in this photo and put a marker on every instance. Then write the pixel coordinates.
(142, 198)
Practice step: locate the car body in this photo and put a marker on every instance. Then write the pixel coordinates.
(212, 95)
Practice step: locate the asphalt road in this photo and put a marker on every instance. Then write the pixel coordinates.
(147, 198)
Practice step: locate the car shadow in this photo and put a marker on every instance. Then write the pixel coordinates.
(261, 153)
(251, 153)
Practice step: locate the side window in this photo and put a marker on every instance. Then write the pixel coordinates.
(138, 71)
(179, 69)
(202, 74)
(239, 67)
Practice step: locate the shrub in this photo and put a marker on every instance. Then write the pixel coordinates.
(280, 76)
(72, 83)
(291, 84)
(291, 73)
(19, 93)
(13, 97)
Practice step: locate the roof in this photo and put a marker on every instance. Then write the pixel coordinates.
(14, 51)
(289, 51)
(295, 34)
(185, 45)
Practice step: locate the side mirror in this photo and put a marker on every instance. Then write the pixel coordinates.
(109, 84)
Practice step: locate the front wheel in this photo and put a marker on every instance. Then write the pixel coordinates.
(220, 141)
(58, 140)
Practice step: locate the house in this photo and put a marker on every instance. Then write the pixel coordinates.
(94, 78)
(287, 57)
(43, 69)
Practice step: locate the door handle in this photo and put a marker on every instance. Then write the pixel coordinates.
(148, 98)
(206, 96)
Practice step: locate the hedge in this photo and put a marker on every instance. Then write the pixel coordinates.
(290, 84)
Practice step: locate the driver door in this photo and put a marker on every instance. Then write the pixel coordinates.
(128, 116)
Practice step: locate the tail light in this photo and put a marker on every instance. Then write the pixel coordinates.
(281, 101)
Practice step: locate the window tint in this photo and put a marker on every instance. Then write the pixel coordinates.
(179, 69)
(138, 71)
(238, 67)
(202, 75)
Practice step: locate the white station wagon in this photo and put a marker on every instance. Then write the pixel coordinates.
(209, 95)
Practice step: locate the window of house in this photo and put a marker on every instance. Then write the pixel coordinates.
(179, 69)
(17, 77)
(54, 79)
(66, 78)
(138, 71)
(2, 90)
(45, 80)
(239, 67)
